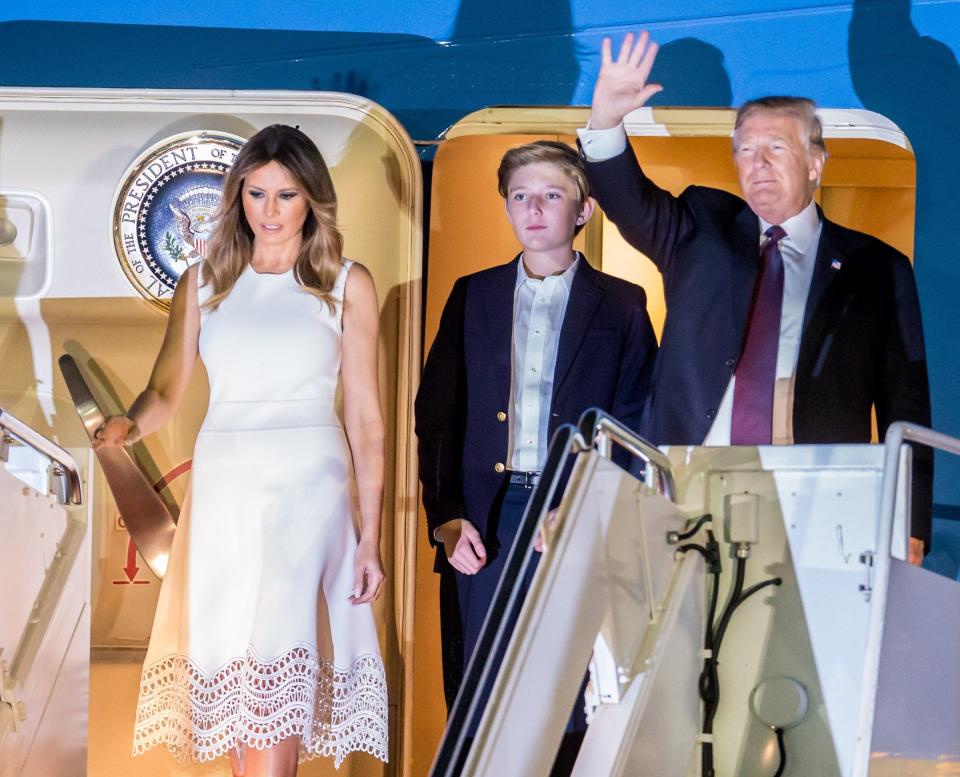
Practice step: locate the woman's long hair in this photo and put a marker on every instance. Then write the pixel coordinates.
(321, 250)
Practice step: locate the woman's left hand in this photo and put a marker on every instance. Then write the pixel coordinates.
(367, 572)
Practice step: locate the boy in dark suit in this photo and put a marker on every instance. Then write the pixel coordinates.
(521, 348)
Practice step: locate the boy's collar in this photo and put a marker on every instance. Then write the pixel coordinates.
(566, 275)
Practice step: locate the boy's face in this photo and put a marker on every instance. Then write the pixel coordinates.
(542, 207)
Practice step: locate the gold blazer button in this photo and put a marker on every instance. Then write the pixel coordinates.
(501, 416)
(499, 466)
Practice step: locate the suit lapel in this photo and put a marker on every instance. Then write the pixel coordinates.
(498, 293)
(825, 269)
(585, 296)
(746, 264)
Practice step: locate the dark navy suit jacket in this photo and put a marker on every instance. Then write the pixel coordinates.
(605, 359)
(862, 340)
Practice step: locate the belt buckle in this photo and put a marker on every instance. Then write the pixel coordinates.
(525, 479)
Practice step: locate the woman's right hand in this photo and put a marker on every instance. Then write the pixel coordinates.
(115, 432)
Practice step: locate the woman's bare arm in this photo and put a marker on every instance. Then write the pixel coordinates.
(171, 371)
(364, 422)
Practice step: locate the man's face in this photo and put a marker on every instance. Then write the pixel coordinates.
(542, 207)
(778, 169)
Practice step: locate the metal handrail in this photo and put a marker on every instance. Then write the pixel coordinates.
(14, 430)
(65, 469)
(596, 429)
(599, 429)
(494, 636)
(146, 516)
(898, 435)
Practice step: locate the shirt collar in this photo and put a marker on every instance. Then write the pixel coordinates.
(566, 277)
(801, 229)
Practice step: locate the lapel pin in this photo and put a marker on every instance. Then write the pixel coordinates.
(835, 264)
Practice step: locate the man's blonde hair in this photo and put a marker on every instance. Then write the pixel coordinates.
(801, 108)
(562, 156)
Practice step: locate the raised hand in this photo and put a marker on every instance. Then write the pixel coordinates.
(622, 84)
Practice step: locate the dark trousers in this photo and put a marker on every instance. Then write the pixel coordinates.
(465, 599)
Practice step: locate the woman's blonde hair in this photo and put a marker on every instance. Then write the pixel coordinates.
(321, 250)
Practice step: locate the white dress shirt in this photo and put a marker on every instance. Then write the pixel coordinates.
(539, 306)
(601, 145)
(799, 251)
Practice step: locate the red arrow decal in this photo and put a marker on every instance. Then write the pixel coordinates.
(131, 568)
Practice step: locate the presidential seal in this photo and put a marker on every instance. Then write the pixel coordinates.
(165, 209)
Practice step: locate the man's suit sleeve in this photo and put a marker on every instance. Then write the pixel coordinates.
(636, 366)
(440, 412)
(650, 219)
(905, 392)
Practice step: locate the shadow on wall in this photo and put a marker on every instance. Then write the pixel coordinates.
(915, 81)
(498, 53)
(693, 73)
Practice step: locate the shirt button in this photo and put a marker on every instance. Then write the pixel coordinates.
(711, 414)
(730, 362)
(501, 416)
(499, 467)
(533, 370)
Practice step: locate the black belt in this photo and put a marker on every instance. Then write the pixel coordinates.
(525, 479)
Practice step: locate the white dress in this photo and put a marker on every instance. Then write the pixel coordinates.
(254, 638)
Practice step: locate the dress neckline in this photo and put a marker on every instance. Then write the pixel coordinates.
(255, 271)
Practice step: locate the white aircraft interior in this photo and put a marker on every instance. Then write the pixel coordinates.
(821, 655)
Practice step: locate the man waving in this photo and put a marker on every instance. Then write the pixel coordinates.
(782, 327)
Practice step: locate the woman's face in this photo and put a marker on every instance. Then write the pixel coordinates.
(275, 206)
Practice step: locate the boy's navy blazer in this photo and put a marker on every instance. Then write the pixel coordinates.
(605, 358)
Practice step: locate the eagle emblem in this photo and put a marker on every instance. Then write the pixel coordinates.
(166, 208)
(195, 213)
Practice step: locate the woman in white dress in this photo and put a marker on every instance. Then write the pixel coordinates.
(264, 645)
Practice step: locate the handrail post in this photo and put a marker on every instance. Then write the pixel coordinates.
(600, 430)
(898, 435)
(65, 466)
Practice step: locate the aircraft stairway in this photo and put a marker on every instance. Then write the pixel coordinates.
(44, 603)
(826, 654)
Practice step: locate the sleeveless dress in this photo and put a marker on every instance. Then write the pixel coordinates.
(254, 638)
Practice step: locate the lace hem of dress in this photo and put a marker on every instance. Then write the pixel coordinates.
(253, 702)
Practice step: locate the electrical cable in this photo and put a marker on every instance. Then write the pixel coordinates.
(752, 590)
(696, 527)
(693, 546)
(783, 751)
(709, 683)
(732, 604)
